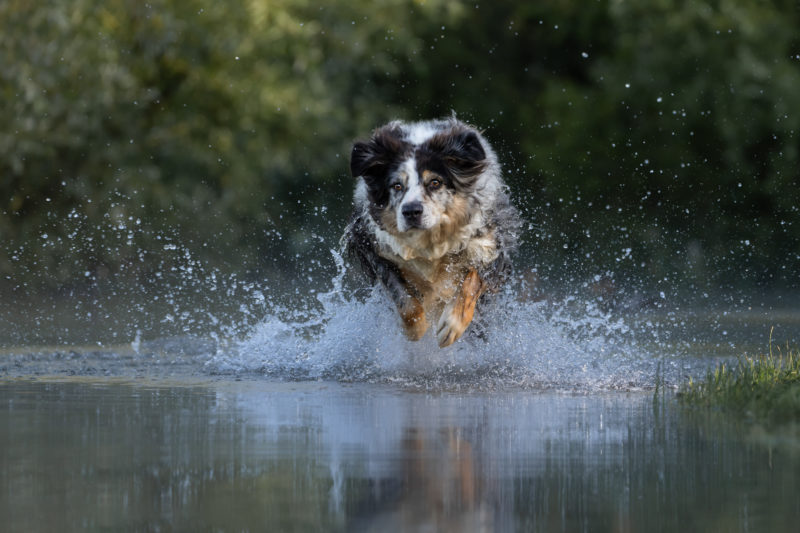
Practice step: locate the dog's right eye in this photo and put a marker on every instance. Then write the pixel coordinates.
(398, 187)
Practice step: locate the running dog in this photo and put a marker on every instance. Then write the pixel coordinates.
(432, 221)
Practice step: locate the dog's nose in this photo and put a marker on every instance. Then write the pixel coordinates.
(412, 212)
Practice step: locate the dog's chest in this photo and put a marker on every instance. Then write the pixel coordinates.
(436, 280)
(434, 265)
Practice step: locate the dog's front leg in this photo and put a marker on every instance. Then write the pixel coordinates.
(413, 314)
(458, 314)
(409, 307)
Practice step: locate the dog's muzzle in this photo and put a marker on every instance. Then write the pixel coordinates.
(412, 213)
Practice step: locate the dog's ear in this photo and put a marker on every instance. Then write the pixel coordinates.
(466, 156)
(372, 159)
(361, 158)
(462, 153)
(468, 147)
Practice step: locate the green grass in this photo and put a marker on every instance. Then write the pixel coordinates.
(764, 387)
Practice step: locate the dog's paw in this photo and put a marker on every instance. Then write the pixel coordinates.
(458, 313)
(451, 325)
(414, 322)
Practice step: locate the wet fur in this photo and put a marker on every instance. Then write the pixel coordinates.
(432, 222)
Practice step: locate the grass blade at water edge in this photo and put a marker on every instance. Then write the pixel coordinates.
(765, 387)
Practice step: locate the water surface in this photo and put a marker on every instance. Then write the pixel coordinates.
(555, 417)
(258, 455)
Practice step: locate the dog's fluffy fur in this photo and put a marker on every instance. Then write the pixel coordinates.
(432, 221)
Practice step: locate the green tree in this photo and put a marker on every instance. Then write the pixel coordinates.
(650, 140)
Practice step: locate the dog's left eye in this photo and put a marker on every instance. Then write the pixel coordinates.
(435, 184)
(397, 186)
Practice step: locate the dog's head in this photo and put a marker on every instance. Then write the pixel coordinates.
(419, 176)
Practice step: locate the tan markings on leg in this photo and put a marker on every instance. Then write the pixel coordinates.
(414, 322)
(458, 314)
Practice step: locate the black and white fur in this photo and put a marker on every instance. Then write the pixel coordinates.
(432, 221)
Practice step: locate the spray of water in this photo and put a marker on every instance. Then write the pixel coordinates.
(332, 327)
(353, 335)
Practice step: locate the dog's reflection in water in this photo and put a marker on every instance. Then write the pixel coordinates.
(440, 488)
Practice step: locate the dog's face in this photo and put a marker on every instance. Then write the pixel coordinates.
(418, 177)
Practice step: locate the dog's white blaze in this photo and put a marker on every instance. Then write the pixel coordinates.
(414, 193)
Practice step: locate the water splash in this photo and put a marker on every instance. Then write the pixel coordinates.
(356, 336)
(331, 327)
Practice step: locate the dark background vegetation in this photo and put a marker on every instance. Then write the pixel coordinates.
(655, 142)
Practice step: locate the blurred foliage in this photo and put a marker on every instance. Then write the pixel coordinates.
(650, 140)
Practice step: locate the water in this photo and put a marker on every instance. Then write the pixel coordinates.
(259, 455)
(557, 415)
(515, 343)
